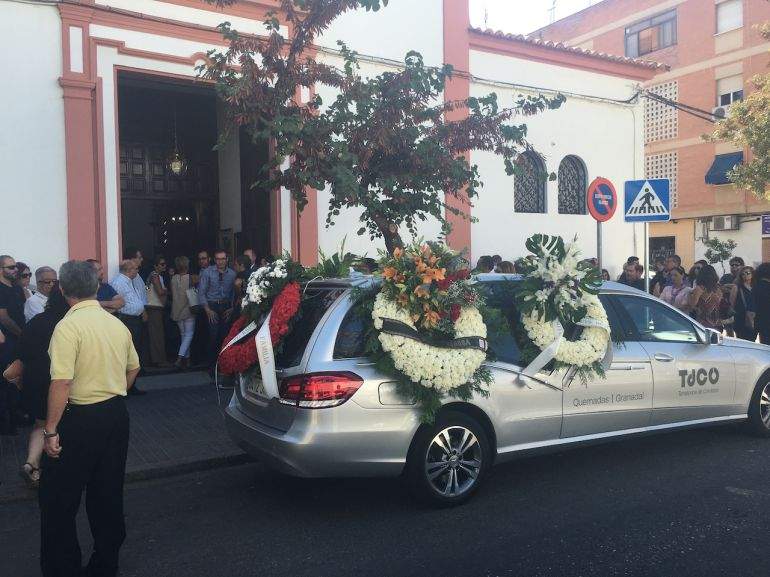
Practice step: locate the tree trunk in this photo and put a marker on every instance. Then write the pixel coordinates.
(392, 240)
(389, 232)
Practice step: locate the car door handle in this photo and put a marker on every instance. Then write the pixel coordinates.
(663, 357)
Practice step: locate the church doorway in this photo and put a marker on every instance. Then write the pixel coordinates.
(181, 192)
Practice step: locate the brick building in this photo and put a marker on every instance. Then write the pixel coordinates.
(713, 49)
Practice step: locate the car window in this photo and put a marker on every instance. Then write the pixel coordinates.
(351, 337)
(498, 297)
(654, 321)
(315, 303)
(616, 326)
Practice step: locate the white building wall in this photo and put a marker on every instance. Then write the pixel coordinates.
(748, 237)
(33, 190)
(608, 137)
(401, 26)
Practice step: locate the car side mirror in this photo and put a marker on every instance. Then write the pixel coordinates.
(714, 337)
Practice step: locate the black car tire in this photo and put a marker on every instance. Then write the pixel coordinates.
(426, 450)
(756, 425)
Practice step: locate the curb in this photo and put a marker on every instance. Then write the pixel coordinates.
(150, 473)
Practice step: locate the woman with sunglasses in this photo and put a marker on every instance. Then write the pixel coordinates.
(706, 297)
(742, 303)
(23, 277)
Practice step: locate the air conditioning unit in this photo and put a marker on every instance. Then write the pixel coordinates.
(720, 112)
(731, 222)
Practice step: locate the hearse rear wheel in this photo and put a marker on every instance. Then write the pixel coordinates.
(449, 460)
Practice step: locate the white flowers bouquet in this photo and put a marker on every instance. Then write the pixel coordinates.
(260, 281)
(558, 295)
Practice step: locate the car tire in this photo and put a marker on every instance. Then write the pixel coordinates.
(759, 408)
(448, 460)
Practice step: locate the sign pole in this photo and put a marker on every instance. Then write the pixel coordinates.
(647, 257)
(599, 243)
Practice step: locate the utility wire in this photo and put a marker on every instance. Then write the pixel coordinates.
(686, 108)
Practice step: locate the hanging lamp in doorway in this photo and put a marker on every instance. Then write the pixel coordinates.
(177, 164)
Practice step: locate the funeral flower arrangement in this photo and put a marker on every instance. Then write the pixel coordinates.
(427, 330)
(562, 319)
(272, 289)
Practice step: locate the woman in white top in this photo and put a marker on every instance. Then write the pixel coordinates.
(677, 293)
(180, 309)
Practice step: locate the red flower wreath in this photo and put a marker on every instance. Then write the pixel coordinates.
(240, 357)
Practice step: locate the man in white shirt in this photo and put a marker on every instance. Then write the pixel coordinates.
(45, 278)
(134, 296)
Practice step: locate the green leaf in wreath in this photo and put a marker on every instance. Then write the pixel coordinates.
(545, 244)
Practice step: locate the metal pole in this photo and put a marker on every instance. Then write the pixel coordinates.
(599, 243)
(646, 257)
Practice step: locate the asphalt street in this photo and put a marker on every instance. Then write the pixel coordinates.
(688, 503)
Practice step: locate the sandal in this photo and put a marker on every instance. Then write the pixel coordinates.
(30, 474)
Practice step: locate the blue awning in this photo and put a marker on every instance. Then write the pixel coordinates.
(723, 163)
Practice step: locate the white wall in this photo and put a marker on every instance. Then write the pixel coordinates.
(607, 137)
(229, 178)
(401, 26)
(33, 193)
(748, 237)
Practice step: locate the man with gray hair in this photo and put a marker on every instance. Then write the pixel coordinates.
(93, 364)
(45, 279)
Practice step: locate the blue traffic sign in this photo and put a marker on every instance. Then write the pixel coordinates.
(648, 200)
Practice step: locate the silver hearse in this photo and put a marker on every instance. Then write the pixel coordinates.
(339, 417)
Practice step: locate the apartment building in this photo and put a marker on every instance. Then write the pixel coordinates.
(713, 48)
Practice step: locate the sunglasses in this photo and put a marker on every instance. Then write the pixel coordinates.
(747, 273)
(46, 282)
(10, 267)
(26, 275)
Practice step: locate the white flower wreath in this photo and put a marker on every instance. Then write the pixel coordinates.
(434, 367)
(590, 348)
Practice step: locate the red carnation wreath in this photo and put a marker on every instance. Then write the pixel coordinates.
(240, 357)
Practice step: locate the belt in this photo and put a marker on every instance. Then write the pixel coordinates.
(125, 316)
(219, 302)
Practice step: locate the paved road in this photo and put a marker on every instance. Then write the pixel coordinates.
(691, 503)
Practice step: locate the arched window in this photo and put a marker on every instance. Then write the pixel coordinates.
(529, 187)
(572, 186)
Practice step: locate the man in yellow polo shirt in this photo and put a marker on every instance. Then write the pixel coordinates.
(93, 364)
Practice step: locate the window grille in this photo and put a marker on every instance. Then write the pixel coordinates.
(529, 188)
(572, 186)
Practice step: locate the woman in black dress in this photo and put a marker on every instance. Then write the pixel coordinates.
(33, 353)
(742, 302)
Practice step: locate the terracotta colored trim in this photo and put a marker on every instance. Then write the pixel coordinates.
(457, 53)
(101, 183)
(559, 57)
(120, 46)
(295, 254)
(116, 122)
(307, 226)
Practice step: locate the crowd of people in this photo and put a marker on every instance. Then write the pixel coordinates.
(737, 303)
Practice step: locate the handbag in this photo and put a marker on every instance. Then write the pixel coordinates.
(13, 373)
(192, 297)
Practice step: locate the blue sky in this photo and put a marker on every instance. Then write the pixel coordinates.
(522, 16)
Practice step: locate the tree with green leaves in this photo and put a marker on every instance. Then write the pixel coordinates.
(383, 146)
(718, 251)
(747, 125)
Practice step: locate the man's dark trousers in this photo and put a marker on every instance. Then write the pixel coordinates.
(94, 442)
(218, 331)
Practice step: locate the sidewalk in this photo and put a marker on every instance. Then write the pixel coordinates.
(175, 428)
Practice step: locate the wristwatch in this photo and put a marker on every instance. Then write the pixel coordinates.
(47, 435)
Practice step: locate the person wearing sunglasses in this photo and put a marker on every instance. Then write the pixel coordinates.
(11, 323)
(23, 278)
(45, 279)
(216, 293)
(742, 303)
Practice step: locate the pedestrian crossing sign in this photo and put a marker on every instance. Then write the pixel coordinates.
(648, 200)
